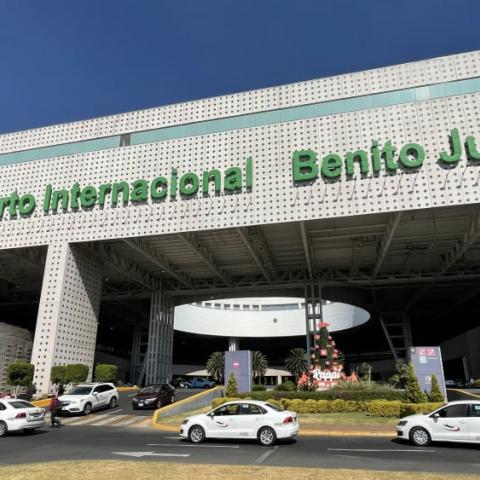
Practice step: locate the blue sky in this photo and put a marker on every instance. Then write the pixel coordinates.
(70, 60)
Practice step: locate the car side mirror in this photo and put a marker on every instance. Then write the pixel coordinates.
(436, 415)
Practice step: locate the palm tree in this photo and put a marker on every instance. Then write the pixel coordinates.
(297, 361)
(259, 364)
(216, 366)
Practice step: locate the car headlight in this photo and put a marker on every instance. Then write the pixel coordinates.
(402, 423)
(150, 400)
(185, 421)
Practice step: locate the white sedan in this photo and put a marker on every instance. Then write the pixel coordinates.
(19, 415)
(242, 419)
(454, 422)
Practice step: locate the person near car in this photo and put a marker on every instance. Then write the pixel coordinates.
(53, 407)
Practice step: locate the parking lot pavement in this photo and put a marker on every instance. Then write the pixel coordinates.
(137, 444)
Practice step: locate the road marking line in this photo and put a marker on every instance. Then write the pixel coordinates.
(190, 446)
(108, 420)
(263, 457)
(147, 422)
(84, 420)
(378, 450)
(128, 421)
(115, 411)
(151, 454)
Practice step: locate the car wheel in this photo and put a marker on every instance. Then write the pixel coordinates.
(113, 402)
(420, 437)
(196, 434)
(266, 436)
(87, 409)
(3, 429)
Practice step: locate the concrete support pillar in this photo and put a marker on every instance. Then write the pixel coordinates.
(313, 315)
(279, 379)
(407, 331)
(233, 344)
(158, 366)
(135, 358)
(67, 319)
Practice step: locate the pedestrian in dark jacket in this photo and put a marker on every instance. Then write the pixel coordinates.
(53, 407)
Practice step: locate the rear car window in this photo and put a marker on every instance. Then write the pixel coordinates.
(21, 404)
(273, 407)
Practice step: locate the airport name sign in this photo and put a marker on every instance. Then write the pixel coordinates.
(306, 167)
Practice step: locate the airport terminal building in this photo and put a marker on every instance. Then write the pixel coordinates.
(361, 189)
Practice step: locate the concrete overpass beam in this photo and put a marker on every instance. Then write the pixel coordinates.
(67, 319)
(158, 365)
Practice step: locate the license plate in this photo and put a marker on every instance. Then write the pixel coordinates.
(140, 404)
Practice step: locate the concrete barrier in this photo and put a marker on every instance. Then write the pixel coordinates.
(202, 399)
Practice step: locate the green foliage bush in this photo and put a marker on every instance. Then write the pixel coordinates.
(76, 373)
(413, 392)
(106, 373)
(346, 391)
(220, 401)
(435, 394)
(277, 403)
(383, 408)
(232, 386)
(415, 408)
(20, 374)
(58, 375)
(375, 408)
(287, 386)
(259, 388)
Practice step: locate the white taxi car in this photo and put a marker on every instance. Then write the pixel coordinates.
(242, 419)
(454, 422)
(19, 415)
(86, 397)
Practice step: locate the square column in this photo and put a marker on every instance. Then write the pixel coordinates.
(67, 320)
(158, 365)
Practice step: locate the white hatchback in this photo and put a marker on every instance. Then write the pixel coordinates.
(19, 415)
(242, 419)
(454, 422)
(86, 397)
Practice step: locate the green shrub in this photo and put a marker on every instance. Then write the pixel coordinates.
(20, 374)
(106, 373)
(414, 408)
(259, 388)
(413, 392)
(324, 406)
(311, 406)
(383, 408)
(232, 386)
(284, 402)
(345, 391)
(287, 386)
(58, 375)
(435, 394)
(220, 401)
(76, 373)
(299, 406)
(277, 403)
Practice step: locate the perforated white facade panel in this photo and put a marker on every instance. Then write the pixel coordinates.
(270, 146)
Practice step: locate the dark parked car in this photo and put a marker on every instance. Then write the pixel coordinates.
(154, 396)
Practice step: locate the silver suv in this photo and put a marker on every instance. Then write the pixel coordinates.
(86, 397)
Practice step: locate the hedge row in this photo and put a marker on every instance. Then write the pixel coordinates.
(377, 393)
(376, 408)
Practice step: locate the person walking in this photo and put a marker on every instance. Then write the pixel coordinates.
(53, 407)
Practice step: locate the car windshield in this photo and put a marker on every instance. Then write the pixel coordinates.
(149, 390)
(273, 407)
(21, 404)
(80, 391)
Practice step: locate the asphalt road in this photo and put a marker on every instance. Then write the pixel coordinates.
(139, 444)
(125, 403)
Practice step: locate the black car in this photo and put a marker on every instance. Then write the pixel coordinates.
(154, 396)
